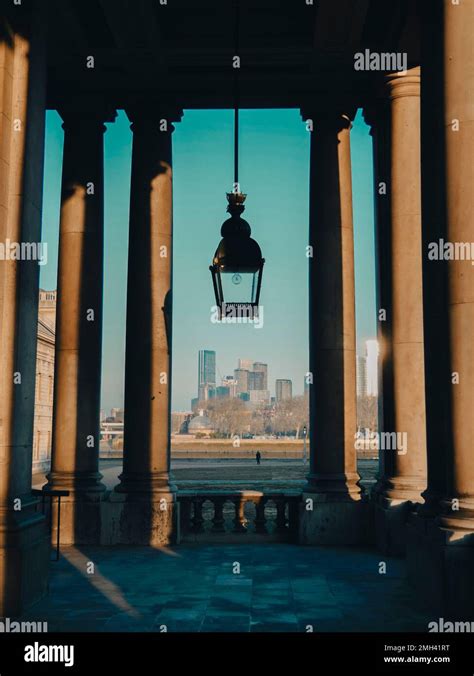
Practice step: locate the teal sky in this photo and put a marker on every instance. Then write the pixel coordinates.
(274, 172)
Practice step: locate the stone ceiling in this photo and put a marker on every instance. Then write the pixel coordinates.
(181, 52)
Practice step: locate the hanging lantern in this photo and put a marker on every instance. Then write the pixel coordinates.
(237, 266)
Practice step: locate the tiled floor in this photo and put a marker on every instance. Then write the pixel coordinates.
(198, 588)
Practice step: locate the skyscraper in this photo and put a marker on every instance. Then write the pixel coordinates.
(241, 376)
(245, 364)
(259, 367)
(256, 380)
(372, 352)
(361, 376)
(206, 371)
(283, 389)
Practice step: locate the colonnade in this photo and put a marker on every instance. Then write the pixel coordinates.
(422, 127)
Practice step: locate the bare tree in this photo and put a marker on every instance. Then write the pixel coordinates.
(367, 413)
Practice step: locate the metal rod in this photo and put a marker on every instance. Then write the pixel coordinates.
(236, 148)
(236, 100)
(59, 526)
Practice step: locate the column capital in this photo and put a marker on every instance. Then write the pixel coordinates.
(402, 84)
(87, 112)
(375, 112)
(331, 118)
(150, 116)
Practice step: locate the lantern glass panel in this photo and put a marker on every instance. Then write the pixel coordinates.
(239, 287)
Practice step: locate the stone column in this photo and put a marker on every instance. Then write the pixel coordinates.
(145, 481)
(377, 116)
(24, 546)
(333, 511)
(403, 426)
(459, 152)
(441, 549)
(78, 355)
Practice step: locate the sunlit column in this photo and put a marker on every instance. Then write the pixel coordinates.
(77, 379)
(24, 549)
(403, 425)
(458, 125)
(440, 551)
(332, 487)
(146, 467)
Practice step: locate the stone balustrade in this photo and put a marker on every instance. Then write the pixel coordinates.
(228, 516)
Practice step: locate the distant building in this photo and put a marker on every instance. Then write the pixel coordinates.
(206, 370)
(44, 388)
(259, 396)
(245, 364)
(361, 376)
(372, 353)
(222, 392)
(256, 380)
(117, 414)
(47, 307)
(194, 404)
(206, 392)
(259, 367)
(201, 425)
(283, 389)
(230, 382)
(241, 377)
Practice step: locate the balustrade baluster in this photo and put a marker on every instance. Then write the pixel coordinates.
(197, 520)
(239, 519)
(218, 523)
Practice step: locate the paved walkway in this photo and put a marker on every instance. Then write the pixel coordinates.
(195, 588)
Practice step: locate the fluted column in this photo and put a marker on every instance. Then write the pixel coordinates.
(24, 547)
(78, 354)
(332, 497)
(146, 463)
(403, 463)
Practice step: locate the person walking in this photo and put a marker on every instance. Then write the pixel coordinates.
(258, 457)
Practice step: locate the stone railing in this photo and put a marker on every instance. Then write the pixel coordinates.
(240, 516)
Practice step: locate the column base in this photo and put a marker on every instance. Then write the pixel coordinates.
(140, 518)
(459, 519)
(391, 517)
(440, 564)
(80, 522)
(24, 559)
(395, 499)
(81, 519)
(339, 486)
(75, 482)
(333, 521)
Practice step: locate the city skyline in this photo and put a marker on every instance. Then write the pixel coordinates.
(270, 139)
